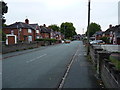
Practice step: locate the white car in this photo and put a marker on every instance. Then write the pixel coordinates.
(97, 42)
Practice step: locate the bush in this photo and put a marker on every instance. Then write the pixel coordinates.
(105, 39)
(51, 40)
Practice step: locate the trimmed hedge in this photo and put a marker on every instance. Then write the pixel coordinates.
(51, 40)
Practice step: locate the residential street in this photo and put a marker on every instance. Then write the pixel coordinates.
(45, 67)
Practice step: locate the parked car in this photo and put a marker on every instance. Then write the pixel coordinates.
(67, 41)
(97, 42)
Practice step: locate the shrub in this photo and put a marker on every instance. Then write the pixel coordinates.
(105, 39)
(51, 40)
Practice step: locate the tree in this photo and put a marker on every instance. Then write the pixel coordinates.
(93, 27)
(68, 29)
(4, 9)
(54, 27)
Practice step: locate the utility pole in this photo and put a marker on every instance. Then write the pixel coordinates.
(88, 37)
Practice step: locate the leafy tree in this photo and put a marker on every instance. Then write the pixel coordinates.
(105, 39)
(4, 9)
(93, 27)
(68, 29)
(54, 27)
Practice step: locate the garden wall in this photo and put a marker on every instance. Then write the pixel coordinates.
(104, 70)
(24, 46)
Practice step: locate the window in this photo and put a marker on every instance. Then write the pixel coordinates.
(37, 37)
(37, 31)
(29, 31)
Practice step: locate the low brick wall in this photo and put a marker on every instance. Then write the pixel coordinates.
(24, 46)
(111, 48)
(103, 69)
(108, 77)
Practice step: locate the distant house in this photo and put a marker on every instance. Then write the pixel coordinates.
(45, 32)
(114, 34)
(37, 31)
(98, 35)
(77, 37)
(19, 31)
(58, 35)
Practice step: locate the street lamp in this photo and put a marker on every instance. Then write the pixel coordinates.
(88, 28)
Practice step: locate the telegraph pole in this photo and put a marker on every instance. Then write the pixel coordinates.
(88, 37)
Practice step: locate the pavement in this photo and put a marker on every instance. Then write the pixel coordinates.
(82, 73)
(46, 67)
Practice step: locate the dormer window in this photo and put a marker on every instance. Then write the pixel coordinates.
(37, 31)
(29, 31)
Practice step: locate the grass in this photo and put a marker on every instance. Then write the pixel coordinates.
(115, 62)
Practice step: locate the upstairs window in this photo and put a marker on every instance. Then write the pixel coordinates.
(37, 31)
(29, 31)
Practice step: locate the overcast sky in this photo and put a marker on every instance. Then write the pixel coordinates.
(103, 12)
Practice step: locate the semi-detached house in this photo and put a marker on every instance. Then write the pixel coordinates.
(19, 31)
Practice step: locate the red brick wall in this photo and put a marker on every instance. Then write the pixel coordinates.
(23, 33)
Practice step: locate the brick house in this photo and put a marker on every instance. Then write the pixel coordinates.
(114, 34)
(45, 32)
(98, 35)
(37, 31)
(20, 31)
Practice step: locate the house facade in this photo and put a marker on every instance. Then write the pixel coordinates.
(25, 32)
(22, 32)
(113, 33)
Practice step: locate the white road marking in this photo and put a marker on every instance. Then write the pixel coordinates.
(68, 69)
(36, 58)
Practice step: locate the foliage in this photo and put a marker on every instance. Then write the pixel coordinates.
(105, 39)
(51, 40)
(54, 27)
(4, 9)
(68, 29)
(115, 62)
(93, 27)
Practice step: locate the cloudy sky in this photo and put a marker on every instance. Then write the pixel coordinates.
(103, 12)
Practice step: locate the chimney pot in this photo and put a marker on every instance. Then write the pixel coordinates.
(26, 21)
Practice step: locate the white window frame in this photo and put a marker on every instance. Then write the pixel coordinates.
(29, 31)
(37, 31)
(37, 37)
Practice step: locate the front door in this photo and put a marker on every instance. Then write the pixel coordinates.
(11, 40)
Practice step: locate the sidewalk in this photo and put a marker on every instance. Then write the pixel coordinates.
(81, 74)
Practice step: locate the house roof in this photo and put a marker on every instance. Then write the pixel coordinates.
(115, 28)
(36, 26)
(45, 29)
(20, 25)
(98, 33)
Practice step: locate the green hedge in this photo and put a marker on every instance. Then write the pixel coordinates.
(51, 40)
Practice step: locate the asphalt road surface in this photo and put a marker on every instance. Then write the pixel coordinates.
(41, 68)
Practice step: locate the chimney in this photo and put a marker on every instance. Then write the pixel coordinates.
(26, 21)
(44, 25)
(110, 26)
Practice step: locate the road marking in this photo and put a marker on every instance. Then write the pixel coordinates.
(68, 69)
(36, 58)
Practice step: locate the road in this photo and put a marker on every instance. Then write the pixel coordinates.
(39, 68)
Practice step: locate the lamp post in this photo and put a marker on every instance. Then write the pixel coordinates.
(88, 28)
